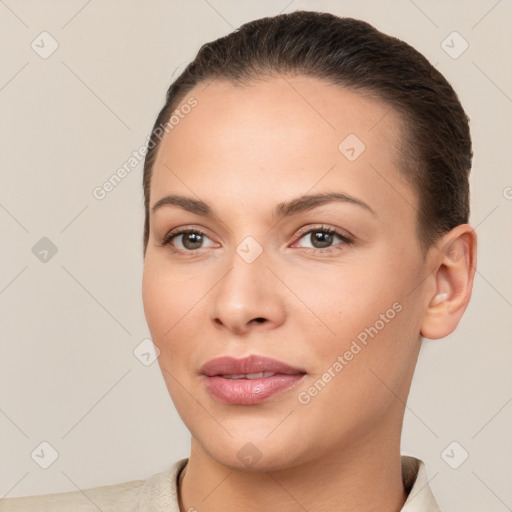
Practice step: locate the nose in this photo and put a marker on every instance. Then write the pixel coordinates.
(248, 297)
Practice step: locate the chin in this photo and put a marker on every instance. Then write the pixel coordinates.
(253, 453)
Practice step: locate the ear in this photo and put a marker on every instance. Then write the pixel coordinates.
(454, 262)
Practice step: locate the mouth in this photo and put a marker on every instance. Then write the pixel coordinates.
(250, 380)
(250, 376)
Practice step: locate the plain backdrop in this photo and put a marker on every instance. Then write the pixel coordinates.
(70, 277)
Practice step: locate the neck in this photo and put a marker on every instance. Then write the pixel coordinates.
(366, 476)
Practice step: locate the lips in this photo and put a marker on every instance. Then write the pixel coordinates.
(248, 365)
(250, 380)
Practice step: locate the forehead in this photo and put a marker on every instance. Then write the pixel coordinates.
(301, 103)
(286, 134)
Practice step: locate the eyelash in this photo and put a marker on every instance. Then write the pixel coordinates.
(328, 230)
(174, 234)
(323, 229)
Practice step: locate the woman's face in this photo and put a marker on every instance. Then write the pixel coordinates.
(330, 288)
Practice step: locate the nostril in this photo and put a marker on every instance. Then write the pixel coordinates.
(259, 319)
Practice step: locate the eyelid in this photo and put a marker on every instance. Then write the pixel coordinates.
(183, 230)
(346, 236)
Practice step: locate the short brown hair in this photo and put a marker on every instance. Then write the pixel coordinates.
(436, 153)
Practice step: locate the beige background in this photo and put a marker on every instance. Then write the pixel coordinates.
(69, 326)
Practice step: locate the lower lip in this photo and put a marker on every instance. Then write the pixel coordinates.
(249, 391)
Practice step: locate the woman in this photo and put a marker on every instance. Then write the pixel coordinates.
(307, 199)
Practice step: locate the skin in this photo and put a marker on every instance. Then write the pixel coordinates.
(243, 150)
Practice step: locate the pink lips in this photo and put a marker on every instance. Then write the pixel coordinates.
(249, 380)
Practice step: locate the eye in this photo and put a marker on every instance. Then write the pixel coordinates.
(323, 237)
(186, 240)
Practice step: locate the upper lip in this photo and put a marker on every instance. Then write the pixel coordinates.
(252, 364)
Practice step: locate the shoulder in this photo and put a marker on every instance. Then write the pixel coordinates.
(136, 496)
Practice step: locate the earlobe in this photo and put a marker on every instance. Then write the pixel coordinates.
(452, 282)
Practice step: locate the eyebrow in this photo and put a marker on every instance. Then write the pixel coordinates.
(286, 209)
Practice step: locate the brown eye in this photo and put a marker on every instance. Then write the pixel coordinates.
(323, 238)
(186, 240)
(192, 240)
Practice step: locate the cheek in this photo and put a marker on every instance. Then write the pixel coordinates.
(167, 297)
(339, 302)
(362, 312)
(174, 306)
